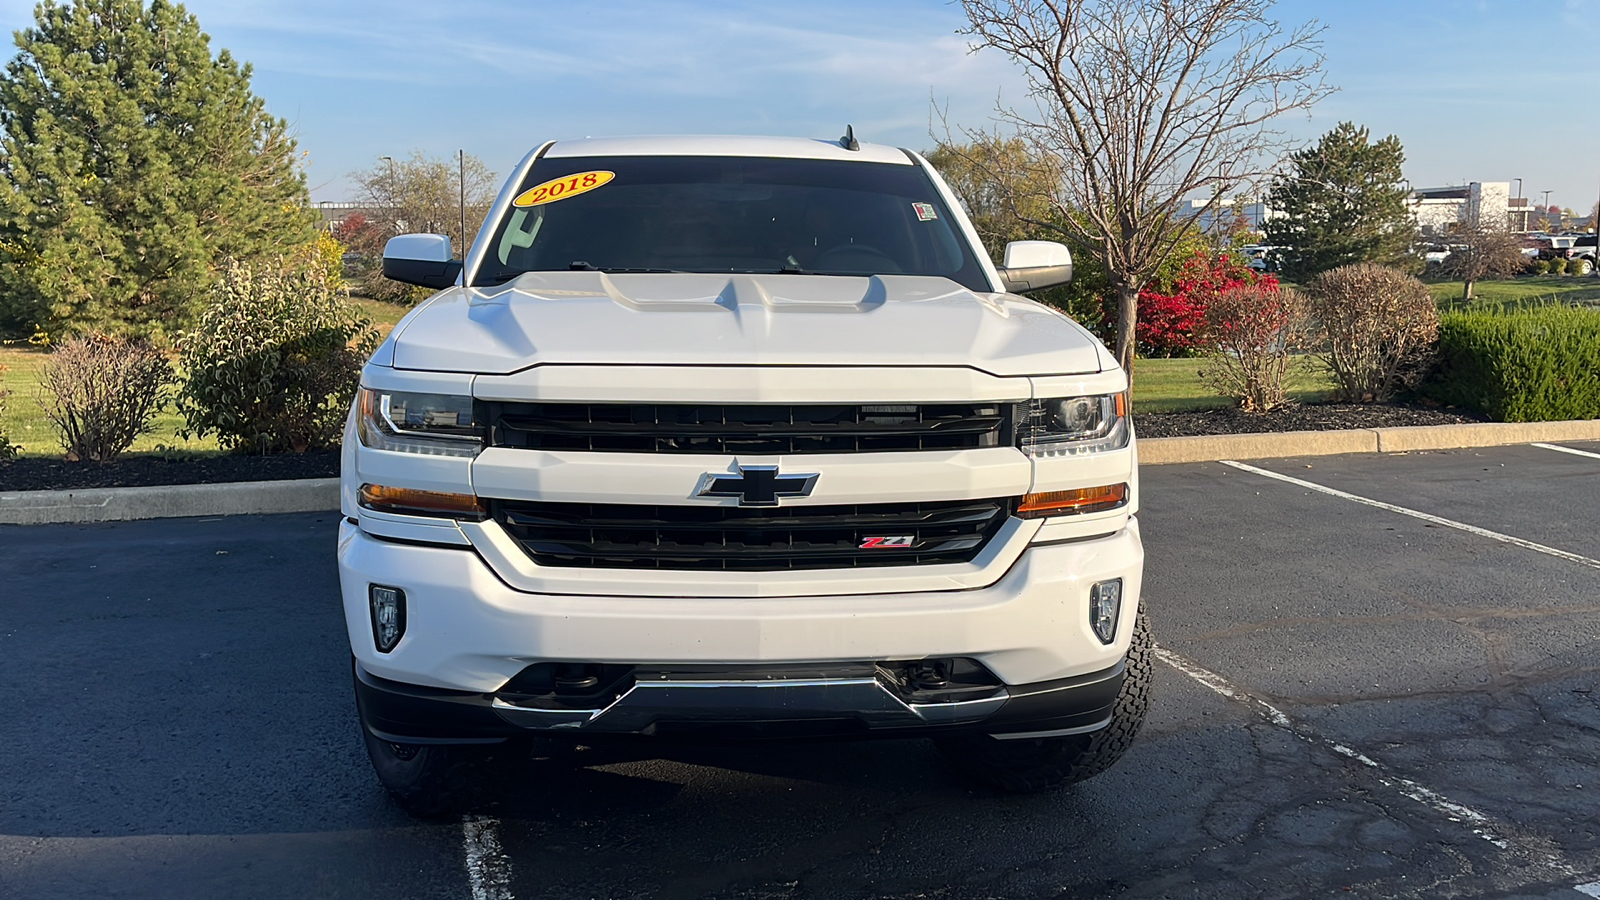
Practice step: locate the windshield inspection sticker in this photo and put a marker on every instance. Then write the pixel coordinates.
(562, 188)
(925, 212)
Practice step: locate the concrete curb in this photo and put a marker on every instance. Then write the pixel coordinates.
(1209, 448)
(168, 501)
(322, 494)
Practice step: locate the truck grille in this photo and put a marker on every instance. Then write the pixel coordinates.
(615, 536)
(751, 428)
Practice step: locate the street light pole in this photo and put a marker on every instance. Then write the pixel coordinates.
(1520, 208)
(1544, 211)
(390, 161)
(461, 157)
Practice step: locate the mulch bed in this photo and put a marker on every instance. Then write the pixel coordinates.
(1308, 417)
(35, 474)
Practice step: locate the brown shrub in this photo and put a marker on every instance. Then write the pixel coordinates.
(1251, 330)
(101, 392)
(1378, 328)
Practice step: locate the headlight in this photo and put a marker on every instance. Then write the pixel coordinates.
(405, 422)
(1073, 425)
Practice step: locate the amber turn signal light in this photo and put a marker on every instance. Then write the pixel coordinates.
(409, 502)
(1068, 503)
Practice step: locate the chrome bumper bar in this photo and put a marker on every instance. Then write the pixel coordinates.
(672, 700)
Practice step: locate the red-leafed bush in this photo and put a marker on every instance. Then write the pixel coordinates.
(1251, 330)
(354, 229)
(1171, 315)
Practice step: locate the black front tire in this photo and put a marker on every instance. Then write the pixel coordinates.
(430, 781)
(1022, 766)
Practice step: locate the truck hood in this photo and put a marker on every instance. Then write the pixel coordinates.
(545, 318)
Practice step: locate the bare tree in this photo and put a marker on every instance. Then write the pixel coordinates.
(1004, 208)
(424, 194)
(420, 194)
(1483, 251)
(1142, 106)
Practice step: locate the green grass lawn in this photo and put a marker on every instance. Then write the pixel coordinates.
(1515, 291)
(1171, 385)
(384, 315)
(25, 424)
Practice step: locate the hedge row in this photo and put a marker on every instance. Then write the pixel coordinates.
(1529, 365)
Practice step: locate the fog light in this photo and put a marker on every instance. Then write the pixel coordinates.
(388, 616)
(1105, 603)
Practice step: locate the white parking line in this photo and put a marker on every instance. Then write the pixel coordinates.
(1574, 452)
(1426, 517)
(1481, 825)
(488, 867)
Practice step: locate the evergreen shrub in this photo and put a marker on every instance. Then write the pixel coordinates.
(274, 360)
(1527, 365)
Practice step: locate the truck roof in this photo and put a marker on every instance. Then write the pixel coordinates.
(726, 145)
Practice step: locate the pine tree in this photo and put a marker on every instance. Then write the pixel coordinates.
(1342, 201)
(131, 162)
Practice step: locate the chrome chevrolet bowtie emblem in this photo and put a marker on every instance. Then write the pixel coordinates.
(756, 485)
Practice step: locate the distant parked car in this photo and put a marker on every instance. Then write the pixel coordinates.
(1263, 257)
(1583, 248)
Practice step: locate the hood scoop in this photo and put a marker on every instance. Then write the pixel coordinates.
(704, 293)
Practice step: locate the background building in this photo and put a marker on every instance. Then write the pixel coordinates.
(1443, 210)
(1241, 212)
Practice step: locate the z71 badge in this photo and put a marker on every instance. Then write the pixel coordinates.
(899, 542)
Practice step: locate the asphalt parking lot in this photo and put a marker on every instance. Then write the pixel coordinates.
(1380, 678)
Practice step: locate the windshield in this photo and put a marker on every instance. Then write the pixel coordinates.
(728, 214)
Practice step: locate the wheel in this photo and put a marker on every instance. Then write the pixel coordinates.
(1580, 266)
(430, 781)
(1033, 765)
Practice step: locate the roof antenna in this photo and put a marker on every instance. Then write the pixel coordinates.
(849, 141)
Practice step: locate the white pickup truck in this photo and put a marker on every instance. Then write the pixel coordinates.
(738, 438)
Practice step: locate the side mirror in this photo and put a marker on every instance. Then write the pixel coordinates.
(1032, 265)
(423, 259)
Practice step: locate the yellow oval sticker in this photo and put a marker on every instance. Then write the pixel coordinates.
(562, 188)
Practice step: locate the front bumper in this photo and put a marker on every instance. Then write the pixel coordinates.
(467, 630)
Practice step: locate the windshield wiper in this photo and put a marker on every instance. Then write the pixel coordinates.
(579, 265)
(499, 277)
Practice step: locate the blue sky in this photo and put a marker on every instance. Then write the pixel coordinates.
(1488, 90)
